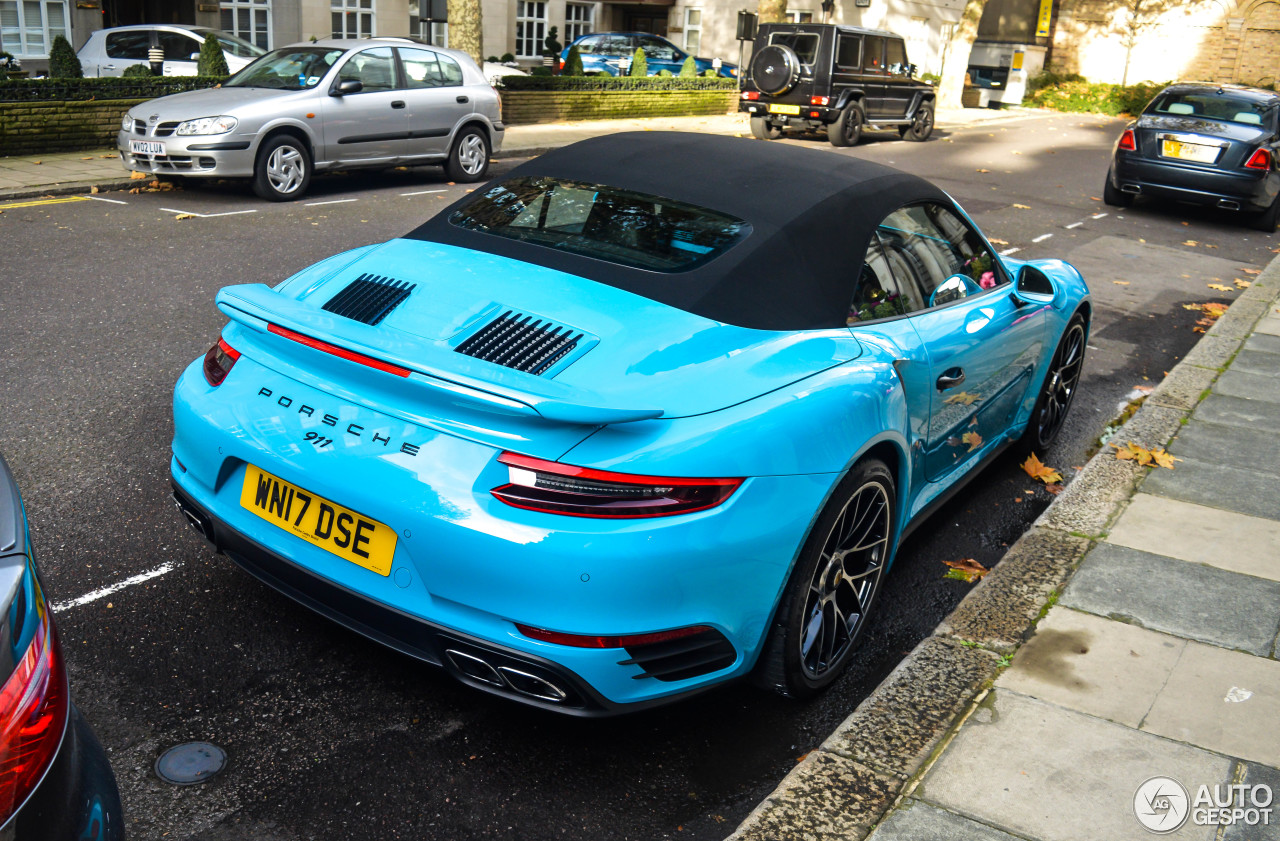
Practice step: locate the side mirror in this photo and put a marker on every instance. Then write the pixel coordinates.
(952, 289)
(347, 86)
(194, 57)
(1033, 286)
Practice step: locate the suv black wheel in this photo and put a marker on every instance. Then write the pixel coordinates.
(833, 586)
(847, 130)
(921, 127)
(775, 69)
(762, 129)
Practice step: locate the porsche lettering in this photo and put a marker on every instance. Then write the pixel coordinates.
(354, 429)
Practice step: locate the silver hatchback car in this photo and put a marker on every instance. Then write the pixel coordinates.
(319, 106)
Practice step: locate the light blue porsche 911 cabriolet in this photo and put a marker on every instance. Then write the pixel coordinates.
(648, 414)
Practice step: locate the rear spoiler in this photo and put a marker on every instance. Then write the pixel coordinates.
(432, 365)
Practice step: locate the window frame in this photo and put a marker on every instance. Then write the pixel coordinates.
(692, 27)
(234, 7)
(23, 50)
(360, 9)
(538, 23)
(575, 28)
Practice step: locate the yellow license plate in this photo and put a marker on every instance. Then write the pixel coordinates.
(784, 109)
(1189, 151)
(321, 522)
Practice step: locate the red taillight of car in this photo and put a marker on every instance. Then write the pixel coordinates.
(1260, 159)
(349, 355)
(819, 100)
(34, 705)
(1128, 142)
(219, 361)
(625, 641)
(556, 488)
(751, 95)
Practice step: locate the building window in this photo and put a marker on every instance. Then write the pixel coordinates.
(27, 28)
(692, 31)
(579, 19)
(799, 17)
(431, 23)
(352, 18)
(531, 28)
(249, 19)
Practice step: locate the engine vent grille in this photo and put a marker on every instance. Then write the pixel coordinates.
(369, 298)
(521, 341)
(682, 658)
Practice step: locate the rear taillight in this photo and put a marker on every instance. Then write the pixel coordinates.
(751, 95)
(1260, 159)
(219, 361)
(1128, 142)
(819, 100)
(589, 641)
(34, 705)
(340, 352)
(557, 488)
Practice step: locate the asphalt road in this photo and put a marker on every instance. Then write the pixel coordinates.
(104, 300)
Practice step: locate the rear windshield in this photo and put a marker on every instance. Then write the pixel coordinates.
(1214, 106)
(805, 44)
(618, 226)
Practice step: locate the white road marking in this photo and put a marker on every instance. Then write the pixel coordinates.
(1099, 215)
(334, 201)
(1074, 225)
(1009, 251)
(207, 215)
(1042, 238)
(422, 192)
(113, 201)
(103, 592)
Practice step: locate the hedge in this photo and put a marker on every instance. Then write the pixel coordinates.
(616, 83)
(81, 90)
(1078, 96)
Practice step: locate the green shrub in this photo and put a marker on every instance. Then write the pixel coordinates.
(536, 71)
(931, 78)
(137, 71)
(212, 61)
(639, 64)
(73, 90)
(664, 73)
(689, 69)
(573, 64)
(63, 63)
(1078, 96)
(492, 58)
(710, 73)
(605, 82)
(1048, 79)
(550, 45)
(507, 57)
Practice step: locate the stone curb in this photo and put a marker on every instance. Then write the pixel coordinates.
(843, 789)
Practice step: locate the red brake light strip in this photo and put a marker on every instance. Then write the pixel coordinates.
(349, 355)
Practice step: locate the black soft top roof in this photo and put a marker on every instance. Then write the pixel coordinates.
(812, 214)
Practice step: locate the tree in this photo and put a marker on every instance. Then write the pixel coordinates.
(1133, 21)
(951, 86)
(639, 64)
(771, 11)
(63, 62)
(212, 61)
(465, 30)
(573, 64)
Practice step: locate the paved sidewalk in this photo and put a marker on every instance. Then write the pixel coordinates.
(1132, 634)
(64, 173)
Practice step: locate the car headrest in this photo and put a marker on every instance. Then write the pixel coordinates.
(1248, 117)
(1181, 108)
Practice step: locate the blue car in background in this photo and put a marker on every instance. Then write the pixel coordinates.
(611, 53)
(604, 433)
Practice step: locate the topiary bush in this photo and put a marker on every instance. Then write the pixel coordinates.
(506, 57)
(552, 47)
(212, 61)
(689, 69)
(573, 64)
(63, 63)
(136, 71)
(639, 64)
(710, 73)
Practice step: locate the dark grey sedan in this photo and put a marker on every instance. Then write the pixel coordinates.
(1205, 144)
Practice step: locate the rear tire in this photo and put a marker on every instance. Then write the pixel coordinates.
(833, 587)
(1114, 197)
(921, 126)
(762, 129)
(847, 129)
(282, 171)
(469, 157)
(1060, 384)
(1267, 219)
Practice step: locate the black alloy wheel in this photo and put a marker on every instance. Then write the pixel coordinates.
(833, 587)
(921, 125)
(1059, 388)
(847, 129)
(762, 129)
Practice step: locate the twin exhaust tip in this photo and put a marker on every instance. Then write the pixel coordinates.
(506, 678)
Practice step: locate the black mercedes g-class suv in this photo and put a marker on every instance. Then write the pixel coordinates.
(838, 78)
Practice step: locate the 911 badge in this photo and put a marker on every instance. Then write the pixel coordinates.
(341, 429)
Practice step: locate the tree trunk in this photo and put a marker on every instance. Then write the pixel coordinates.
(951, 86)
(465, 29)
(771, 11)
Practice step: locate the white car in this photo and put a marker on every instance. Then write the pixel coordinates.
(109, 51)
(494, 71)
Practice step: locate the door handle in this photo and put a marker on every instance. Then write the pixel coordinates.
(950, 379)
(399, 103)
(463, 99)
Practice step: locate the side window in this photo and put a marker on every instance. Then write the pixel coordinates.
(657, 49)
(849, 53)
(895, 57)
(422, 68)
(590, 45)
(873, 55)
(177, 46)
(451, 70)
(881, 290)
(131, 45)
(939, 253)
(616, 45)
(374, 69)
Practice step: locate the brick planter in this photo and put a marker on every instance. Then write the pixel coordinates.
(33, 128)
(525, 107)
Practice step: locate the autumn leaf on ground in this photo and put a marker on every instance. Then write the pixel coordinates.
(1023, 206)
(997, 241)
(1210, 245)
(106, 156)
(973, 439)
(1190, 242)
(1144, 389)
(1145, 457)
(1221, 287)
(1252, 271)
(137, 176)
(1037, 469)
(965, 570)
(1095, 198)
(982, 170)
(1242, 284)
(1120, 282)
(963, 398)
(1054, 488)
(94, 189)
(182, 216)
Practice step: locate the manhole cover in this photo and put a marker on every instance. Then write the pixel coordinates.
(194, 762)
